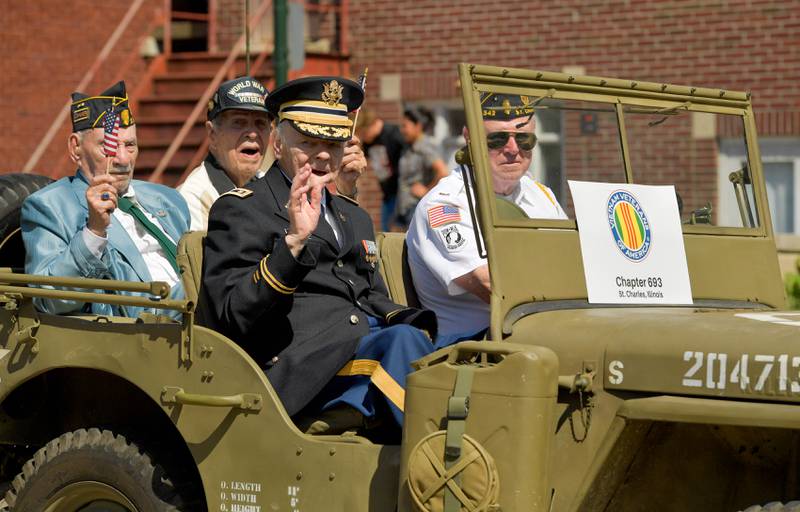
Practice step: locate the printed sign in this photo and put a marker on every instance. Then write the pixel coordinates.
(631, 243)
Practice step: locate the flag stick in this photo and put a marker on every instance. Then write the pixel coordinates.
(362, 81)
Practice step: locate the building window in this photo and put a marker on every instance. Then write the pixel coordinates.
(780, 157)
(781, 189)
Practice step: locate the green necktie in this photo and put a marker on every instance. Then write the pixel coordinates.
(170, 249)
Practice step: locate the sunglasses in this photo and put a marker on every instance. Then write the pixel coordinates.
(525, 140)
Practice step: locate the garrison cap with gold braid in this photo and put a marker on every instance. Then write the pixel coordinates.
(88, 111)
(502, 107)
(317, 106)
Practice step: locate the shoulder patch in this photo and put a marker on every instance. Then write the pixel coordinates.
(452, 237)
(443, 214)
(238, 192)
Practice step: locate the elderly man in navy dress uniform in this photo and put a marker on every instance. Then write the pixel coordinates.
(291, 270)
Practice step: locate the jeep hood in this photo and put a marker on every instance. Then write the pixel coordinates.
(750, 354)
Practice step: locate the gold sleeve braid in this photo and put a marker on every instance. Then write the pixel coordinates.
(272, 280)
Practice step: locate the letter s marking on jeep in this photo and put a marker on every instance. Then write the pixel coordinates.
(615, 372)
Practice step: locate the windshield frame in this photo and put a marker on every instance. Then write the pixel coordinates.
(619, 94)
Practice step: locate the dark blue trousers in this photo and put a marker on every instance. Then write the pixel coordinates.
(377, 373)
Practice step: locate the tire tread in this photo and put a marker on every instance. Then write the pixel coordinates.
(78, 440)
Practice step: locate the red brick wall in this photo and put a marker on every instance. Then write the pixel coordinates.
(229, 23)
(47, 48)
(735, 44)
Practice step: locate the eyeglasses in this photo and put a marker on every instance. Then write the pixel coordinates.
(525, 140)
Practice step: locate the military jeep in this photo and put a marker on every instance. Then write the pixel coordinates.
(566, 405)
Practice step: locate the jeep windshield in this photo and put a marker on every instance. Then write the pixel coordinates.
(700, 151)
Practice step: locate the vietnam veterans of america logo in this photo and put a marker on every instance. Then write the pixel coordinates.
(629, 225)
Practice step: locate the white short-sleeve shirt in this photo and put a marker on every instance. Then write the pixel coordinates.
(442, 247)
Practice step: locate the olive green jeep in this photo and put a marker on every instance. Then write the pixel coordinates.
(567, 405)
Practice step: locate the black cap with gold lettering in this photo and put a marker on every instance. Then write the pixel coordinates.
(243, 93)
(503, 107)
(88, 111)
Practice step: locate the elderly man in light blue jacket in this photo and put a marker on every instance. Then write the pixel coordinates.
(100, 223)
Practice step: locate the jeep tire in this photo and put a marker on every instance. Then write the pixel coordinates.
(14, 189)
(91, 470)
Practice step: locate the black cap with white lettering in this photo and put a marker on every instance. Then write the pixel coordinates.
(243, 93)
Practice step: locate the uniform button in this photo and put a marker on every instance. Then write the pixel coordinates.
(353, 319)
(274, 359)
(350, 281)
(339, 263)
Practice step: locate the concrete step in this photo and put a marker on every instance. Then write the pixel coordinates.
(201, 62)
(149, 157)
(186, 83)
(168, 105)
(156, 128)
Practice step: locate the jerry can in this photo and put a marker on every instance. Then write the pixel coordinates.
(479, 420)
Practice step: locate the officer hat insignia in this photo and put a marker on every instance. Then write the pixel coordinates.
(332, 93)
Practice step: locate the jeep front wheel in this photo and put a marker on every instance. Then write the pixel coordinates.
(89, 471)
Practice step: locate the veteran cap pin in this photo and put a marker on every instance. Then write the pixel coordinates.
(317, 106)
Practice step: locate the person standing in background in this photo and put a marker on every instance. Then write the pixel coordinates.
(421, 165)
(383, 144)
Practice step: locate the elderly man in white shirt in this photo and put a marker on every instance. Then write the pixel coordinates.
(449, 275)
(238, 129)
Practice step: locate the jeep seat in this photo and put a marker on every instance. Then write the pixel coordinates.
(395, 269)
(190, 261)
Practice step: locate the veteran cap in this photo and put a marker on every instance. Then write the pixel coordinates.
(243, 93)
(317, 106)
(88, 111)
(503, 107)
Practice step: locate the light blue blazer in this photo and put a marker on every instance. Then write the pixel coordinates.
(52, 220)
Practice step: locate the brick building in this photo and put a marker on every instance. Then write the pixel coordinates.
(412, 48)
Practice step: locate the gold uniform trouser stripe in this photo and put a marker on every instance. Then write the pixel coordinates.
(378, 376)
(358, 367)
(272, 280)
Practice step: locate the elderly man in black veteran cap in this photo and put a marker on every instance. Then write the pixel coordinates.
(291, 270)
(100, 223)
(238, 129)
(450, 276)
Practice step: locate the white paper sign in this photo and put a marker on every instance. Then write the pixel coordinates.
(631, 243)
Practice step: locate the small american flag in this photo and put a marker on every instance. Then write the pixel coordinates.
(443, 214)
(111, 133)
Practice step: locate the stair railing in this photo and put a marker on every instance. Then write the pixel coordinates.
(202, 103)
(109, 47)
